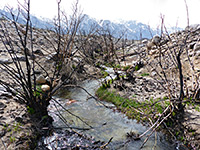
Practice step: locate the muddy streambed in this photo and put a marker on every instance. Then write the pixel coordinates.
(105, 122)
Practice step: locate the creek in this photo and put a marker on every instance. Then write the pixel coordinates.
(106, 122)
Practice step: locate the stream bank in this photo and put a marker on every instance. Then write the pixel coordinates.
(106, 123)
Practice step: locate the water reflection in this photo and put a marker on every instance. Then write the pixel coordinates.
(106, 123)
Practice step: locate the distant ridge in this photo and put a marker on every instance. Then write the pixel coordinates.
(132, 29)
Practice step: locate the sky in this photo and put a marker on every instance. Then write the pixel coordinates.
(145, 11)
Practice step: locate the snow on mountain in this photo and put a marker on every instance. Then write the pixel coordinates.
(131, 29)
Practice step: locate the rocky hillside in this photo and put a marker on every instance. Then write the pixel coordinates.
(154, 75)
(17, 129)
(151, 68)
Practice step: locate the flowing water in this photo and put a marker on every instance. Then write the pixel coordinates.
(106, 122)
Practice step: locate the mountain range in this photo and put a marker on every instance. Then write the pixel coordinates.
(132, 29)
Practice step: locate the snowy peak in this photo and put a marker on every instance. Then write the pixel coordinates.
(131, 29)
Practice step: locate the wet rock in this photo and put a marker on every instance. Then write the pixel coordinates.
(70, 140)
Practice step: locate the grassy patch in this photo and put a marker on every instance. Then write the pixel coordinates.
(140, 111)
(144, 74)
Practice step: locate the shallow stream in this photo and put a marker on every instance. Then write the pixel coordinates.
(106, 122)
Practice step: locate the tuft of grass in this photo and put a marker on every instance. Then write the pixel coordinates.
(125, 68)
(104, 74)
(12, 139)
(118, 66)
(136, 68)
(144, 74)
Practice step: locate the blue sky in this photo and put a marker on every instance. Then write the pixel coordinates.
(145, 11)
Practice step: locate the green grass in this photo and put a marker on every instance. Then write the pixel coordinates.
(136, 68)
(104, 74)
(12, 139)
(125, 68)
(130, 106)
(144, 74)
(118, 66)
(30, 110)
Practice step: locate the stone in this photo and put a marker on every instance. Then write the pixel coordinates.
(191, 45)
(152, 52)
(2, 105)
(7, 94)
(38, 52)
(196, 46)
(40, 80)
(19, 119)
(48, 79)
(41, 41)
(150, 45)
(156, 39)
(45, 88)
(5, 61)
(2, 88)
(144, 41)
(154, 73)
(21, 58)
(197, 53)
(37, 72)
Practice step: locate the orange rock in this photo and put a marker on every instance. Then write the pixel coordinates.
(71, 101)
